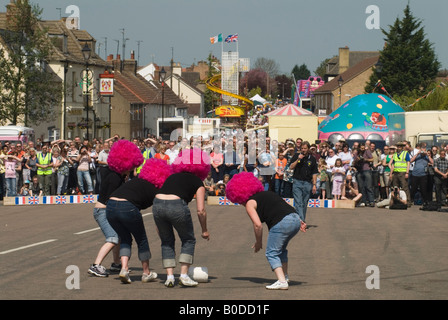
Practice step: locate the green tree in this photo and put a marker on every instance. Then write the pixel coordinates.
(321, 70)
(29, 90)
(408, 59)
(301, 73)
(210, 97)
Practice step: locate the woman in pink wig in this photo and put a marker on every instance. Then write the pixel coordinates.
(123, 157)
(282, 221)
(123, 214)
(171, 210)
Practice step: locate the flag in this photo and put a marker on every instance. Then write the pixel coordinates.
(314, 203)
(232, 38)
(33, 200)
(222, 201)
(216, 39)
(329, 204)
(88, 199)
(60, 199)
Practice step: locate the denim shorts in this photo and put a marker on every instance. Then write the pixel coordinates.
(278, 239)
(100, 217)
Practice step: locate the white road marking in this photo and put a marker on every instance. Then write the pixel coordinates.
(28, 246)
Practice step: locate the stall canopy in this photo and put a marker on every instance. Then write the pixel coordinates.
(258, 98)
(290, 110)
(363, 117)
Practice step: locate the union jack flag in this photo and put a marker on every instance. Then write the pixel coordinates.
(314, 203)
(33, 200)
(287, 200)
(88, 199)
(231, 38)
(60, 199)
(222, 201)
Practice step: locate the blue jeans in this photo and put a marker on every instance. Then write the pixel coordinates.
(169, 214)
(278, 186)
(62, 183)
(366, 186)
(301, 191)
(127, 221)
(278, 239)
(99, 214)
(11, 187)
(87, 178)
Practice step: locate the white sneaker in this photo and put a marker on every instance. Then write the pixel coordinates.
(124, 276)
(278, 286)
(152, 276)
(169, 283)
(187, 282)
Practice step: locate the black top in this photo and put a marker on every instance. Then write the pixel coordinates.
(137, 191)
(271, 208)
(306, 167)
(182, 184)
(110, 181)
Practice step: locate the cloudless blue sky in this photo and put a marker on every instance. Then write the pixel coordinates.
(288, 31)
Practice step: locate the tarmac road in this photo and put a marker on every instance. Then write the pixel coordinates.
(407, 251)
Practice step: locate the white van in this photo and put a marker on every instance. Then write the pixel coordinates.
(15, 134)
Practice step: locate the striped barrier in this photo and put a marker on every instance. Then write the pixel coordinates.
(66, 199)
(312, 203)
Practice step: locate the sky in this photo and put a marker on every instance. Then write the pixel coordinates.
(290, 32)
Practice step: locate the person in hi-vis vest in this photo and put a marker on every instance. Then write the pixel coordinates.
(399, 170)
(147, 154)
(44, 170)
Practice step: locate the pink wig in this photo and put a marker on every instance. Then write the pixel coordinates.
(124, 156)
(194, 161)
(155, 171)
(242, 186)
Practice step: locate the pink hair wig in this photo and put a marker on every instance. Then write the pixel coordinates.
(155, 171)
(194, 161)
(242, 186)
(124, 156)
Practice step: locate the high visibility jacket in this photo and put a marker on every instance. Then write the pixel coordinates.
(146, 155)
(45, 161)
(400, 163)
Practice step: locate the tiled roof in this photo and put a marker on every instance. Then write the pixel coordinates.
(349, 74)
(355, 57)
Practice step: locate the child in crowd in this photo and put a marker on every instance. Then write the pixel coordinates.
(25, 190)
(280, 164)
(338, 173)
(323, 176)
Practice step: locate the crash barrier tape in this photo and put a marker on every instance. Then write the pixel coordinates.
(35, 200)
(312, 203)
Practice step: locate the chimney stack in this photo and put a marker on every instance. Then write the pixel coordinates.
(344, 60)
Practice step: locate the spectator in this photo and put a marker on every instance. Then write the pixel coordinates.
(400, 170)
(62, 164)
(44, 170)
(397, 200)
(35, 188)
(280, 165)
(209, 185)
(161, 154)
(323, 178)
(55, 155)
(288, 173)
(83, 172)
(376, 167)
(419, 178)
(350, 189)
(25, 189)
(217, 163)
(364, 176)
(338, 173)
(172, 152)
(388, 155)
(441, 177)
(101, 165)
(11, 164)
(330, 160)
(2, 176)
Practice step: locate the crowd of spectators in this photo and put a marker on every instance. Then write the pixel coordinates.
(360, 171)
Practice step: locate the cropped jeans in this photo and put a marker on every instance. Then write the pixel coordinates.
(126, 219)
(170, 215)
(279, 236)
(99, 214)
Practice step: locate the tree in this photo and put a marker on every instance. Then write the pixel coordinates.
(408, 59)
(271, 67)
(321, 70)
(29, 91)
(255, 78)
(209, 95)
(301, 73)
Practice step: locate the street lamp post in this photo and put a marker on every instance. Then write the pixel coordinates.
(86, 51)
(340, 81)
(162, 75)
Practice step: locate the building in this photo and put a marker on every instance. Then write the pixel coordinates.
(137, 103)
(332, 95)
(185, 84)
